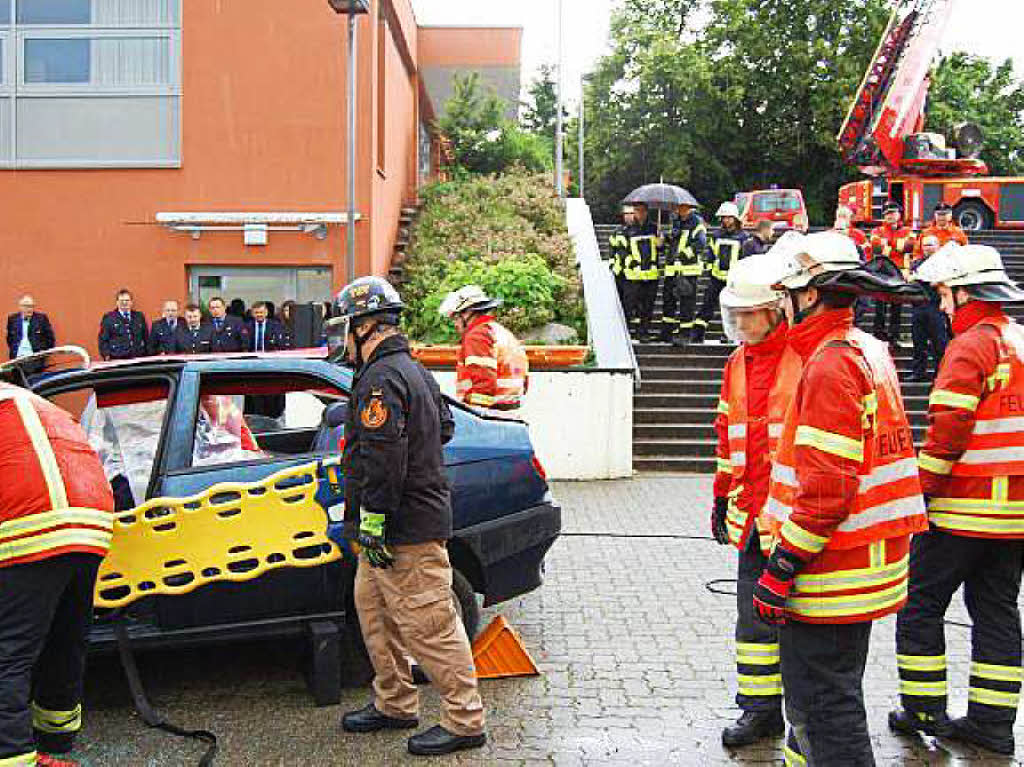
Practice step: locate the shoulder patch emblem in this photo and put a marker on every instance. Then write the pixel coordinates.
(374, 415)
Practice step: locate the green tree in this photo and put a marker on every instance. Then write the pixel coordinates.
(482, 139)
(539, 112)
(968, 88)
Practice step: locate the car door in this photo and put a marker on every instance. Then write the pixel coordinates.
(216, 440)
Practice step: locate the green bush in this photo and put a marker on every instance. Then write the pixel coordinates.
(505, 233)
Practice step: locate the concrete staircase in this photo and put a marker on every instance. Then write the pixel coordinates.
(674, 408)
(396, 273)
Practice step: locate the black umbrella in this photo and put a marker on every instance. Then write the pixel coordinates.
(662, 197)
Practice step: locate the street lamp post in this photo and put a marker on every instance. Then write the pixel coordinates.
(351, 9)
(580, 142)
(558, 110)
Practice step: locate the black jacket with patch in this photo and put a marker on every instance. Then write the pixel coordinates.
(397, 424)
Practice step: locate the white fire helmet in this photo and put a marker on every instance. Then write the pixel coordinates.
(799, 258)
(727, 209)
(749, 288)
(467, 297)
(978, 267)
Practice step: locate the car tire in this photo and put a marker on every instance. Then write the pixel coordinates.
(972, 216)
(465, 603)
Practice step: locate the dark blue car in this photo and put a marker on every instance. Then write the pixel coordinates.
(174, 427)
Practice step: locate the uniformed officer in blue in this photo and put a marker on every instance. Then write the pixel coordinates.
(124, 333)
(398, 510)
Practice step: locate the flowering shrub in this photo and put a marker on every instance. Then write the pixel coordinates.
(505, 233)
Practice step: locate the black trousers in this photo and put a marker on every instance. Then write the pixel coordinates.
(892, 335)
(709, 305)
(757, 644)
(620, 288)
(823, 671)
(929, 330)
(642, 295)
(45, 614)
(670, 303)
(990, 572)
(686, 291)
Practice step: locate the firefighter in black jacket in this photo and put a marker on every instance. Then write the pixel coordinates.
(684, 264)
(641, 268)
(726, 245)
(398, 510)
(618, 245)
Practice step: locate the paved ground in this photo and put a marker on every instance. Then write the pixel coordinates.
(636, 654)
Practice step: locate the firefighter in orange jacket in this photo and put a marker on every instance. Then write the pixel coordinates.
(757, 386)
(492, 370)
(972, 471)
(843, 501)
(897, 243)
(55, 528)
(943, 229)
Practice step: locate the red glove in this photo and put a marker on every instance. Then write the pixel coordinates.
(774, 585)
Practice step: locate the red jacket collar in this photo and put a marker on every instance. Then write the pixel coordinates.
(774, 343)
(806, 337)
(973, 312)
(480, 319)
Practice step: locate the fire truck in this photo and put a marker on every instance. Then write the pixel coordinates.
(883, 135)
(780, 206)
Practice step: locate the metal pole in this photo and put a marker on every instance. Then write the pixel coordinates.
(350, 224)
(580, 142)
(558, 110)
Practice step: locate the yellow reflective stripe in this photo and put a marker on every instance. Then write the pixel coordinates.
(844, 580)
(921, 662)
(480, 399)
(15, 528)
(930, 689)
(57, 721)
(870, 408)
(802, 538)
(977, 524)
(997, 673)
(1001, 489)
(830, 442)
(723, 465)
(953, 399)
(484, 362)
(723, 407)
(754, 684)
(792, 758)
(44, 452)
(752, 654)
(1001, 375)
(993, 697)
(819, 606)
(22, 760)
(36, 544)
(982, 506)
(933, 464)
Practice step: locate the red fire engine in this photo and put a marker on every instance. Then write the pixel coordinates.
(883, 135)
(780, 206)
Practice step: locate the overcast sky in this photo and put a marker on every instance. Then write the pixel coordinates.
(985, 27)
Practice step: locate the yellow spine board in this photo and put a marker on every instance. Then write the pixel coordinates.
(231, 532)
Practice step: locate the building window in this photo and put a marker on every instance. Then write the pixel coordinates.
(382, 92)
(90, 83)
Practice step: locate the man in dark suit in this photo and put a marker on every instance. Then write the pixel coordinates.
(229, 332)
(28, 330)
(266, 334)
(193, 337)
(163, 334)
(124, 333)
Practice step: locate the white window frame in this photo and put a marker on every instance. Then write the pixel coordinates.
(14, 86)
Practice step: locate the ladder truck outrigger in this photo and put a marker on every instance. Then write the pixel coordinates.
(883, 135)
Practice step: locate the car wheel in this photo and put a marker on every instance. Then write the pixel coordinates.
(972, 216)
(465, 603)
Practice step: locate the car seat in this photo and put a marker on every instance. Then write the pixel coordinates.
(330, 438)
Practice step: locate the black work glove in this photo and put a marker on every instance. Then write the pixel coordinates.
(371, 539)
(719, 529)
(772, 589)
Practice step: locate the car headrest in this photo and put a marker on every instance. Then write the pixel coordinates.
(335, 414)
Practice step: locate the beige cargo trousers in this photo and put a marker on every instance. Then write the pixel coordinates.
(408, 609)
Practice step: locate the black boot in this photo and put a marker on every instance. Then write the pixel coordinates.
(437, 740)
(697, 334)
(369, 719)
(966, 730)
(903, 722)
(752, 726)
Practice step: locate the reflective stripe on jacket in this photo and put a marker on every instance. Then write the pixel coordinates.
(492, 368)
(54, 496)
(896, 243)
(972, 462)
(689, 238)
(751, 411)
(726, 246)
(642, 259)
(845, 493)
(618, 244)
